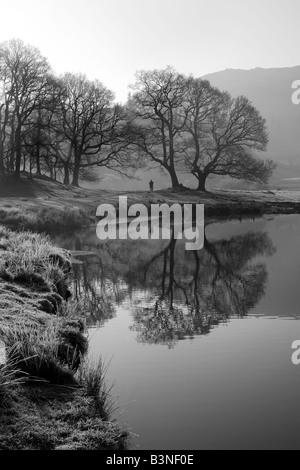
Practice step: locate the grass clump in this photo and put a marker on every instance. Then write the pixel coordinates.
(38, 355)
(31, 260)
(73, 345)
(10, 374)
(92, 375)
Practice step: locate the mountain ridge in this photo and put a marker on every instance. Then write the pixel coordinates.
(270, 91)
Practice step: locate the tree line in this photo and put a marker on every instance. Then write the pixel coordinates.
(65, 127)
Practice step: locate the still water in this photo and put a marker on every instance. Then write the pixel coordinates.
(199, 343)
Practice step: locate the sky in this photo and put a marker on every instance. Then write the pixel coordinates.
(111, 39)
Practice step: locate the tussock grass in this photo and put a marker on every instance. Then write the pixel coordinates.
(34, 270)
(73, 345)
(33, 279)
(52, 354)
(38, 356)
(11, 373)
(31, 251)
(92, 376)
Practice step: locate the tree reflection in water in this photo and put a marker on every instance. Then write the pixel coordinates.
(95, 296)
(96, 288)
(174, 293)
(197, 290)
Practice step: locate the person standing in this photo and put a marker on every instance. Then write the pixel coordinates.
(151, 184)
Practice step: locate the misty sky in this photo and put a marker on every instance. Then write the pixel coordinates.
(111, 39)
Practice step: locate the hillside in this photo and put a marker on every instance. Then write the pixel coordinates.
(270, 91)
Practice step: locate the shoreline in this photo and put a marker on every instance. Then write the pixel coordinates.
(76, 207)
(51, 396)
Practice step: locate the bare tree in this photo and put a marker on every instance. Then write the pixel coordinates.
(91, 124)
(5, 101)
(222, 143)
(159, 111)
(24, 72)
(40, 131)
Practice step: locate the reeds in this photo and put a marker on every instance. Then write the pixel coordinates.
(92, 376)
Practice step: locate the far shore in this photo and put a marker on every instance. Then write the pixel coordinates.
(27, 200)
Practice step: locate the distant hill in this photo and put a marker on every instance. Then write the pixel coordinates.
(270, 91)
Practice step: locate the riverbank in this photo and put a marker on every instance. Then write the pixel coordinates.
(43, 205)
(51, 398)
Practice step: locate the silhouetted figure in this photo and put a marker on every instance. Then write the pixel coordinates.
(151, 185)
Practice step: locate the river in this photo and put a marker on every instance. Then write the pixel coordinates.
(198, 342)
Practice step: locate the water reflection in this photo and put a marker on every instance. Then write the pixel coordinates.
(174, 293)
(183, 398)
(197, 290)
(95, 294)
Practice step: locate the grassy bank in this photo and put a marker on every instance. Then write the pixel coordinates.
(44, 219)
(50, 397)
(44, 205)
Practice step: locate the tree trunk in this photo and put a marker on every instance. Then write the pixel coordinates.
(172, 171)
(38, 145)
(3, 123)
(12, 146)
(18, 145)
(75, 181)
(67, 174)
(201, 177)
(67, 166)
(38, 164)
(174, 179)
(30, 168)
(1, 155)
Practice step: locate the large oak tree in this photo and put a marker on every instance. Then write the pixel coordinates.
(224, 136)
